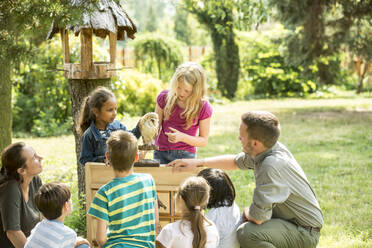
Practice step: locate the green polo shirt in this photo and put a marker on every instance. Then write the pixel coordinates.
(282, 189)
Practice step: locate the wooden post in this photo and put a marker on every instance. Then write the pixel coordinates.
(86, 53)
(65, 46)
(123, 56)
(113, 47)
(190, 53)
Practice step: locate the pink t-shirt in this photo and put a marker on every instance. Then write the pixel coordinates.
(177, 122)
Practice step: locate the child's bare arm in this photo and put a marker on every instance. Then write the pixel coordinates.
(157, 223)
(101, 232)
(80, 241)
(175, 135)
(159, 111)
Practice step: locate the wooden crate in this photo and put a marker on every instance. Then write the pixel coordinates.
(167, 183)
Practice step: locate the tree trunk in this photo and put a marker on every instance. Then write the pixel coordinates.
(226, 51)
(361, 77)
(227, 62)
(79, 89)
(5, 104)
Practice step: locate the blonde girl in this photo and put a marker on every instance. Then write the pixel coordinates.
(96, 123)
(193, 230)
(183, 112)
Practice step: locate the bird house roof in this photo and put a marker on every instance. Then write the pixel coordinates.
(107, 16)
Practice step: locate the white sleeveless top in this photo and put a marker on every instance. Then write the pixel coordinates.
(227, 220)
(178, 235)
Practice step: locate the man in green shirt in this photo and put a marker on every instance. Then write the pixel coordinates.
(284, 211)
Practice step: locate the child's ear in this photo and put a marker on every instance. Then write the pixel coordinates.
(21, 171)
(95, 111)
(107, 162)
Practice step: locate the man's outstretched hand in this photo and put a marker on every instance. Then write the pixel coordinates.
(180, 165)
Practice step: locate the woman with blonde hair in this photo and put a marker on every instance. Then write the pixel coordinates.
(194, 230)
(183, 112)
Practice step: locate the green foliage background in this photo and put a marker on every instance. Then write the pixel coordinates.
(157, 54)
(136, 92)
(41, 98)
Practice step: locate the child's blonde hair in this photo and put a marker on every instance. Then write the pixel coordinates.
(195, 193)
(192, 74)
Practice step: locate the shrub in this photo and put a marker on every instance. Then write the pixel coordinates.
(41, 101)
(136, 92)
(266, 69)
(158, 55)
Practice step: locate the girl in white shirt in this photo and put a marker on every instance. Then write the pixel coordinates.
(193, 230)
(222, 209)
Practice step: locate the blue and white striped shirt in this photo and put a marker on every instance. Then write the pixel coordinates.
(128, 205)
(51, 234)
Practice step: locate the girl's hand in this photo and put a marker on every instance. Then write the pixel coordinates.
(142, 154)
(174, 136)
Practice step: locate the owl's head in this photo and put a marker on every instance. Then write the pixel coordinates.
(151, 117)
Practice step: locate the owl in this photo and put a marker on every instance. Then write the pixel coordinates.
(148, 125)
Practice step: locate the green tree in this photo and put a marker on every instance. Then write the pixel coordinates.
(320, 28)
(145, 13)
(41, 101)
(181, 27)
(151, 18)
(217, 16)
(157, 54)
(24, 24)
(221, 17)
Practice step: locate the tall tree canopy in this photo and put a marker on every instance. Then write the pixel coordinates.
(23, 25)
(218, 17)
(221, 17)
(322, 27)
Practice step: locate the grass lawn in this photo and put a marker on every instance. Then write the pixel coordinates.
(330, 138)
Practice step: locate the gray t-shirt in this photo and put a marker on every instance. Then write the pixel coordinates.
(282, 189)
(15, 213)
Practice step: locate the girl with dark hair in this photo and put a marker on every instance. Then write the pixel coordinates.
(222, 209)
(19, 182)
(96, 123)
(193, 230)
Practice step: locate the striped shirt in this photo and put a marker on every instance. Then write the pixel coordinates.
(128, 205)
(51, 234)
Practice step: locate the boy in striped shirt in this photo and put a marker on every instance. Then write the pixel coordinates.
(54, 202)
(127, 205)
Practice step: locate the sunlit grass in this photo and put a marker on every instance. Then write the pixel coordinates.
(330, 138)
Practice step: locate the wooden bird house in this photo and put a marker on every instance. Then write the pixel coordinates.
(108, 20)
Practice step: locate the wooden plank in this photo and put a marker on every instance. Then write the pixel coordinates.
(86, 52)
(88, 198)
(113, 48)
(65, 46)
(167, 183)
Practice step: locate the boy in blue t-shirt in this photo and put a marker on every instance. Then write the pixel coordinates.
(127, 205)
(54, 202)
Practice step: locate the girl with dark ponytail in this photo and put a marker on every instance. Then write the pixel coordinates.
(194, 230)
(96, 123)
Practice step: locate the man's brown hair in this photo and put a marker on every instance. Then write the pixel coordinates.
(122, 150)
(262, 126)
